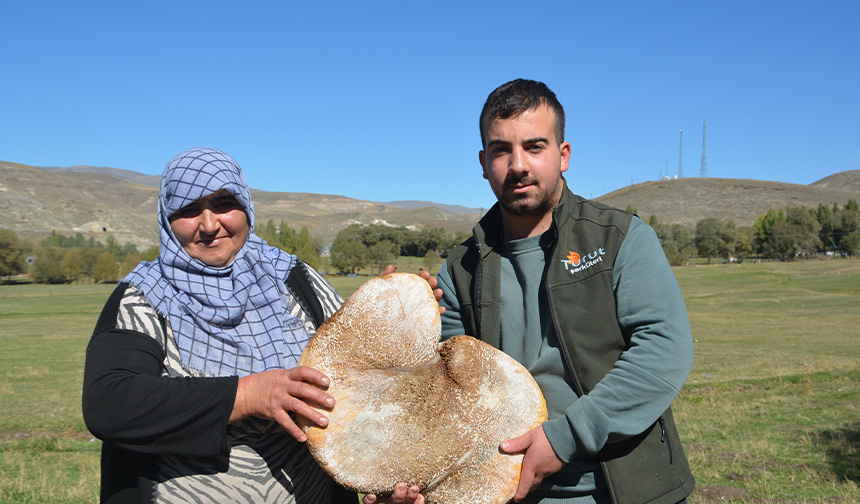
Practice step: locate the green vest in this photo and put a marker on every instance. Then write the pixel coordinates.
(586, 236)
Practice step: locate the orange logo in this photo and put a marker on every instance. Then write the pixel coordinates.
(576, 263)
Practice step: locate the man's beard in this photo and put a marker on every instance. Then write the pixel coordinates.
(542, 203)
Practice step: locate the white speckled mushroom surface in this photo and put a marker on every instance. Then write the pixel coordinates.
(411, 409)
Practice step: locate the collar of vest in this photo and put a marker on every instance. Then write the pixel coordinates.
(488, 231)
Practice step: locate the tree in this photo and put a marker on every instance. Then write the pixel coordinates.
(670, 248)
(402, 241)
(380, 254)
(318, 245)
(715, 238)
(794, 236)
(764, 225)
(53, 240)
(808, 227)
(151, 254)
(129, 249)
(114, 247)
(677, 242)
(46, 268)
(845, 225)
(729, 235)
(305, 248)
(453, 240)
(287, 238)
(128, 263)
(88, 263)
(72, 265)
(431, 261)
(824, 216)
(782, 243)
(268, 232)
(348, 255)
(12, 255)
(685, 237)
(432, 238)
(78, 241)
(351, 232)
(106, 268)
(745, 242)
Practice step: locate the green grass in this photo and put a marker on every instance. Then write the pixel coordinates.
(785, 439)
(770, 413)
(46, 453)
(346, 285)
(771, 410)
(772, 319)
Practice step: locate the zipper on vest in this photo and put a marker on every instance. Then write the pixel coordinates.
(478, 294)
(664, 437)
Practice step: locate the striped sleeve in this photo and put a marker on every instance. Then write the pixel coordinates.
(328, 296)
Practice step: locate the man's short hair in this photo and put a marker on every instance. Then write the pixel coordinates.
(515, 97)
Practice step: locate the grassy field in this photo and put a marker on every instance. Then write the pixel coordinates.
(770, 412)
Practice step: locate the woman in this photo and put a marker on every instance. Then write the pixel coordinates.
(191, 376)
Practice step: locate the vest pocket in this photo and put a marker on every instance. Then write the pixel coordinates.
(664, 437)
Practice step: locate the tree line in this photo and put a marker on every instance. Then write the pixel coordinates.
(788, 234)
(357, 246)
(784, 234)
(301, 243)
(68, 259)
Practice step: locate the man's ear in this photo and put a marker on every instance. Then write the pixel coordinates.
(565, 156)
(481, 160)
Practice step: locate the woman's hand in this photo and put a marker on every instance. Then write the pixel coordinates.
(276, 393)
(403, 494)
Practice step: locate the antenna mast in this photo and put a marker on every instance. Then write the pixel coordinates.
(703, 172)
(681, 156)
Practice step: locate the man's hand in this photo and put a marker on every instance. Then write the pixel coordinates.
(403, 494)
(431, 280)
(539, 461)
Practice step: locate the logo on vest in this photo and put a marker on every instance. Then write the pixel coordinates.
(576, 263)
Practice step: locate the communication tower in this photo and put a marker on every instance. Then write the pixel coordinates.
(681, 156)
(703, 171)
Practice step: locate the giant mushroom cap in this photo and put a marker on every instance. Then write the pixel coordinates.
(408, 408)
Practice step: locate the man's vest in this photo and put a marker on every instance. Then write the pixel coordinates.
(585, 237)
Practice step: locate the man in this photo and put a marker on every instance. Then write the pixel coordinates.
(581, 294)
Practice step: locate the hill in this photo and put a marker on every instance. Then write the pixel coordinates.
(131, 176)
(843, 180)
(36, 201)
(414, 205)
(688, 200)
(100, 201)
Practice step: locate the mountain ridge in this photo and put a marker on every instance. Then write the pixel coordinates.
(686, 201)
(97, 201)
(35, 201)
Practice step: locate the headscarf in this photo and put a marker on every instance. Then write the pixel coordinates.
(232, 320)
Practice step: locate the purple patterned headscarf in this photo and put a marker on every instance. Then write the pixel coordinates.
(226, 321)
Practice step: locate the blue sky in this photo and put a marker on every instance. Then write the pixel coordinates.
(379, 100)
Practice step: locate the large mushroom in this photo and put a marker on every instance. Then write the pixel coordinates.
(411, 409)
